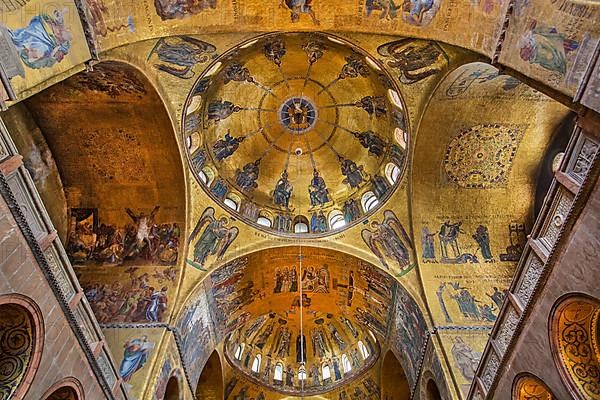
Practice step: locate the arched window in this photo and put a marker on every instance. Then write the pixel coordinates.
(278, 374)
(326, 371)
(401, 137)
(300, 227)
(576, 320)
(256, 364)
(336, 219)
(265, 219)
(530, 387)
(203, 177)
(346, 364)
(363, 350)
(229, 202)
(302, 374)
(369, 201)
(392, 172)
(395, 98)
(208, 174)
(239, 351)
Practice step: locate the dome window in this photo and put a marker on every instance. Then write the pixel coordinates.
(229, 202)
(278, 374)
(369, 201)
(392, 172)
(346, 364)
(336, 219)
(401, 137)
(239, 351)
(256, 364)
(363, 350)
(326, 372)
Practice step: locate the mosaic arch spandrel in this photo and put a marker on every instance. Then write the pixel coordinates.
(117, 23)
(473, 206)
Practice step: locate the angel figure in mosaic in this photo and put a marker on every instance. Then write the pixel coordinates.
(299, 7)
(215, 238)
(388, 239)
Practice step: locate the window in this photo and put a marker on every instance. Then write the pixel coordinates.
(209, 174)
(363, 350)
(239, 351)
(278, 374)
(229, 202)
(392, 172)
(346, 364)
(203, 177)
(264, 221)
(300, 227)
(336, 219)
(395, 98)
(369, 201)
(302, 374)
(401, 137)
(256, 364)
(326, 372)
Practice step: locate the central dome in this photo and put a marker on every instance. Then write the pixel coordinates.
(296, 133)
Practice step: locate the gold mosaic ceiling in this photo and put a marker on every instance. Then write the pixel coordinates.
(293, 126)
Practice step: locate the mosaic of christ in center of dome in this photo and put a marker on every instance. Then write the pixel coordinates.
(297, 133)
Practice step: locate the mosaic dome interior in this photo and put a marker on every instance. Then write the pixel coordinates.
(297, 133)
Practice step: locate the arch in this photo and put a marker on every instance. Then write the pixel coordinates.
(336, 219)
(574, 338)
(401, 137)
(210, 384)
(256, 364)
(433, 393)
(301, 224)
(172, 392)
(364, 351)
(528, 386)
(66, 389)
(265, 219)
(346, 366)
(232, 202)
(115, 147)
(394, 384)
(239, 351)
(278, 372)
(325, 371)
(392, 173)
(369, 201)
(209, 175)
(22, 341)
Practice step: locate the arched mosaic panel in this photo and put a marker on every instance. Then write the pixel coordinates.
(529, 387)
(575, 337)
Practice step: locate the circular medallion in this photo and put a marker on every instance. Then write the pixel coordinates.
(298, 115)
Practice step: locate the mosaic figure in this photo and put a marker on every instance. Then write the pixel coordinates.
(351, 210)
(387, 239)
(318, 222)
(465, 358)
(283, 222)
(314, 50)
(448, 236)
(283, 191)
(178, 9)
(247, 176)
(370, 141)
(301, 349)
(428, 244)
(215, 239)
(274, 50)
(199, 160)
(380, 186)
(180, 54)
(283, 342)
(353, 173)
(135, 356)
(143, 223)
(482, 238)
(319, 343)
(45, 42)
(546, 47)
(224, 148)
(299, 7)
(374, 105)
(337, 338)
(318, 192)
(157, 305)
(415, 60)
(350, 327)
(236, 72)
(220, 188)
(387, 8)
(354, 68)
(220, 110)
(289, 376)
(498, 297)
(314, 374)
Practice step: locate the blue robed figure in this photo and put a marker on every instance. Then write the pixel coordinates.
(135, 356)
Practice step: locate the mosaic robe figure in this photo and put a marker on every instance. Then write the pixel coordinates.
(220, 110)
(314, 375)
(264, 336)
(388, 8)
(380, 186)
(247, 176)
(236, 72)
(370, 141)
(397, 155)
(428, 243)
(318, 222)
(352, 172)
(283, 191)
(283, 222)
(285, 337)
(351, 210)
(387, 240)
(449, 236)
(299, 7)
(546, 47)
(482, 238)
(274, 50)
(337, 373)
(355, 359)
(374, 105)
(466, 303)
(318, 342)
(180, 56)
(199, 160)
(497, 297)
(44, 42)
(487, 313)
(135, 357)
(314, 50)
(337, 338)
(465, 358)
(414, 59)
(267, 372)
(301, 349)
(215, 239)
(178, 9)
(293, 280)
(157, 305)
(318, 192)
(416, 9)
(350, 327)
(289, 376)
(224, 148)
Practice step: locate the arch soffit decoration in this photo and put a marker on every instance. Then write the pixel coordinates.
(528, 384)
(37, 322)
(69, 382)
(574, 329)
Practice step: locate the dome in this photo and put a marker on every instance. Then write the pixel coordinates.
(331, 351)
(296, 133)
